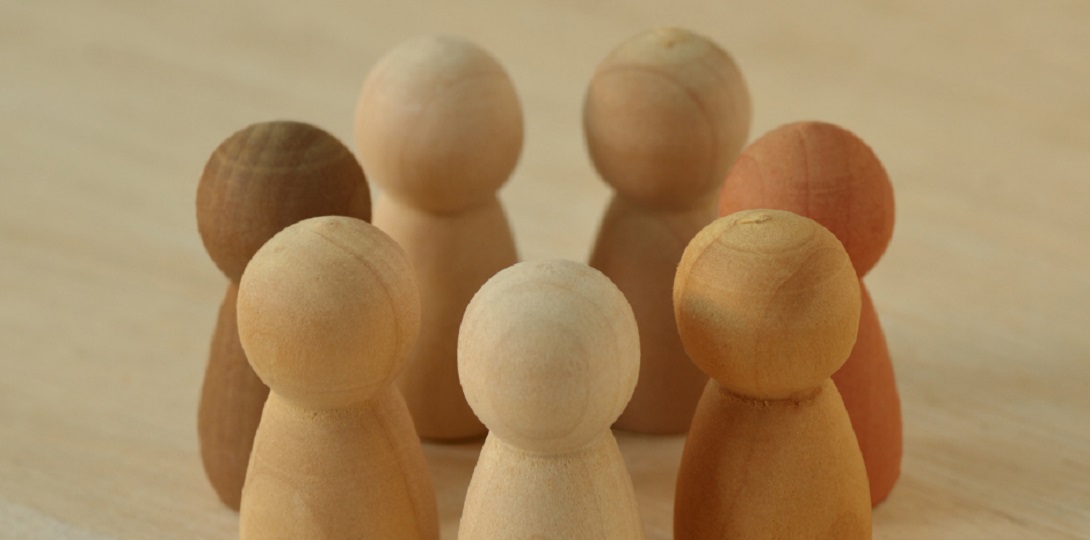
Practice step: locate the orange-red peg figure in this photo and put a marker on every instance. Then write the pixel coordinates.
(260, 180)
(826, 173)
(328, 312)
(549, 354)
(439, 129)
(767, 304)
(665, 116)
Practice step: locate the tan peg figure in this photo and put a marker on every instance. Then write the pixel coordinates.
(327, 313)
(548, 356)
(827, 174)
(439, 129)
(258, 181)
(665, 115)
(767, 304)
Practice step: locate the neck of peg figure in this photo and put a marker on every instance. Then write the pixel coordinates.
(796, 399)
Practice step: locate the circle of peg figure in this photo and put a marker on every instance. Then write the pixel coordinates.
(767, 304)
(439, 129)
(258, 181)
(548, 355)
(327, 313)
(339, 344)
(665, 115)
(828, 174)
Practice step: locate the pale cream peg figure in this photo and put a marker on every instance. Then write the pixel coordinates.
(767, 303)
(327, 313)
(258, 181)
(439, 129)
(548, 356)
(665, 116)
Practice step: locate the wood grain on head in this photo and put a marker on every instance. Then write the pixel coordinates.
(268, 176)
(548, 354)
(438, 124)
(823, 172)
(328, 311)
(665, 116)
(767, 303)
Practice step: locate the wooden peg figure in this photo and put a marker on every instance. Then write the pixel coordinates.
(260, 180)
(548, 356)
(827, 174)
(327, 313)
(439, 129)
(665, 116)
(767, 304)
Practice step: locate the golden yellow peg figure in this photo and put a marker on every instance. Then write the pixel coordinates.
(767, 304)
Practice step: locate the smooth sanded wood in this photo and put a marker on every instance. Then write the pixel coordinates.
(110, 108)
(259, 180)
(771, 469)
(328, 312)
(767, 304)
(825, 172)
(665, 114)
(229, 410)
(548, 355)
(439, 128)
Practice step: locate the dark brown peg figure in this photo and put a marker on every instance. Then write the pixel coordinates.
(665, 115)
(257, 182)
(826, 173)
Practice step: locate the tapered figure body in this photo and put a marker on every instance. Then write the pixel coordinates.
(665, 115)
(548, 356)
(827, 174)
(439, 128)
(327, 314)
(260, 180)
(767, 304)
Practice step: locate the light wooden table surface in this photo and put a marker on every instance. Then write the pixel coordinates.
(108, 109)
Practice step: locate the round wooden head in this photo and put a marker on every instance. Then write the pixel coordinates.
(665, 116)
(548, 354)
(268, 176)
(438, 124)
(823, 172)
(328, 312)
(767, 303)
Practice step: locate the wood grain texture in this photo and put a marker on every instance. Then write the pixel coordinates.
(439, 126)
(767, 304)
(259, 180)
(107, 300)
(828, 174)
(229, 410)
(666, 114)
(328, 313)
(743, 474)
(548, 356)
